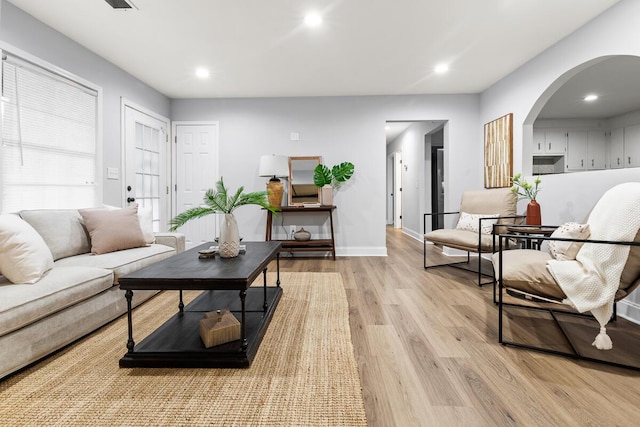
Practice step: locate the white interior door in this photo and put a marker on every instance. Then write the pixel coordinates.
(196, 171)
(397, 192)
(146, 143)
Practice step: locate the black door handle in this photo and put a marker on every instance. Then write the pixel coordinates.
(131, 199)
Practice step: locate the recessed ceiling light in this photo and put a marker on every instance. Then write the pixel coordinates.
(441, 68)
(590, 98)
(202, 73)
(313, 19)
(387, 127)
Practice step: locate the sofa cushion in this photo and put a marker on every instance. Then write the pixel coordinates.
(24, 256)
(121, 262)
(62, 287)
(61, 229)
(113, 230)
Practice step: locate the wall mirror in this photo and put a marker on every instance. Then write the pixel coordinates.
(301, 187)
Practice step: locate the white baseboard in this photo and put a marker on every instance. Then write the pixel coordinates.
(629, 310)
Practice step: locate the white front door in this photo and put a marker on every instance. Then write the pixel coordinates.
(196, 172)
(146, 143)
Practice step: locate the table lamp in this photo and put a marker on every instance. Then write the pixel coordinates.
(274, 166)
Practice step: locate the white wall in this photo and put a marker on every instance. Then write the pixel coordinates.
(569, 196)
(24, 32)
(338, 129)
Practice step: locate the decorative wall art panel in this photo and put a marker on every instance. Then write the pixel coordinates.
(498, 152)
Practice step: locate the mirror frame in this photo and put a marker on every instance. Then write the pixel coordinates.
(290, 192)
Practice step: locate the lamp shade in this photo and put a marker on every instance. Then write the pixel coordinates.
(273, 165)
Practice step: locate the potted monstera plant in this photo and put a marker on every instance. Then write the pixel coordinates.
(329, 178)
(221, 201)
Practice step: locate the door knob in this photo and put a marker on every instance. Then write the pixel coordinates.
(131, 199)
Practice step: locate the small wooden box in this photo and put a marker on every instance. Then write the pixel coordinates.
(219, 327)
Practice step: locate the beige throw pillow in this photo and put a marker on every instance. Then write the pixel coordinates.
(113, 230)
(471, 222)
(567, 251)
(24, 256)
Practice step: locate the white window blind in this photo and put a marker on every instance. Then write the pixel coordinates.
(49, 139)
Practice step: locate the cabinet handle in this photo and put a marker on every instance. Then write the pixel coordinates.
(581, 163)
(591, 162)
(618, 161)
(629, 159)
(538, 146)
(549, 146)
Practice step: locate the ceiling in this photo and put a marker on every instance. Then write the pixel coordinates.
(616, 82)
(260, 48)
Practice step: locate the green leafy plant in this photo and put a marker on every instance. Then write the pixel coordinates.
(220, 201)
(523, 189)
(335, 176)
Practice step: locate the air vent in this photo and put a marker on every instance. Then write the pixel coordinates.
(121, 4)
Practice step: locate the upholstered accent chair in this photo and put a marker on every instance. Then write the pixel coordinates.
(479, 211)
(544, 296)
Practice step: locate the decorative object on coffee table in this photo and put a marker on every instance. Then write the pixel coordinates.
(302, 235)
(219, 201)
(219, 327)
(523, 190)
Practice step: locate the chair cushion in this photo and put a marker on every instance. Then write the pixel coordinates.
(526, 270)
(460, 239)
(495, 200)
(631, 271)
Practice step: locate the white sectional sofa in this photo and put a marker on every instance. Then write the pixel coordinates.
(75, 296)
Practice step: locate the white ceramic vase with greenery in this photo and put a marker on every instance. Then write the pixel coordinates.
(219, 201)
(328, 179)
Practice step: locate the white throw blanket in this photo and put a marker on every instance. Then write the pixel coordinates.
(591, 281)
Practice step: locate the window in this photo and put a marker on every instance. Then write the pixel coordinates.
(48, 157)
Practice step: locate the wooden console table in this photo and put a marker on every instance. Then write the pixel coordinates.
(313, 245)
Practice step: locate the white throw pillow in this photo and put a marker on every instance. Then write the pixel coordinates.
(470, 222)
(567, 251)
(24, 256)
(145, 216)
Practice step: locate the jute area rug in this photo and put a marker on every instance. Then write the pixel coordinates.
(304, 373)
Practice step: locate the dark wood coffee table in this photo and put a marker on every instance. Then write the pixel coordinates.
(226, 282)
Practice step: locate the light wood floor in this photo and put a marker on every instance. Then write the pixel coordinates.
(428, 354)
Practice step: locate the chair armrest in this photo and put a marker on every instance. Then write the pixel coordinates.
(424, 221)
(174, 240)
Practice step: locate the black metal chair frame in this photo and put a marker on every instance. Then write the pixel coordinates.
(457, 264)
(575, 354)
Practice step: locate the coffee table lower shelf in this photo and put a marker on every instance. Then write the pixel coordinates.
(177, 343)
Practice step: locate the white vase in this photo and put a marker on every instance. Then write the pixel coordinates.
(229, 240)
(326, 195)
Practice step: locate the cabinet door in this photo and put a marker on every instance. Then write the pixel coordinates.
(576, 150)
(555, 142)
(538, 142)
(632, 146)
(596, 150)
(616, 148)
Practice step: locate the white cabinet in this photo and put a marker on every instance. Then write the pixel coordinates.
(549, 142)
(576, 150)
(615, 159)
(632, 146)
(596, 150)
